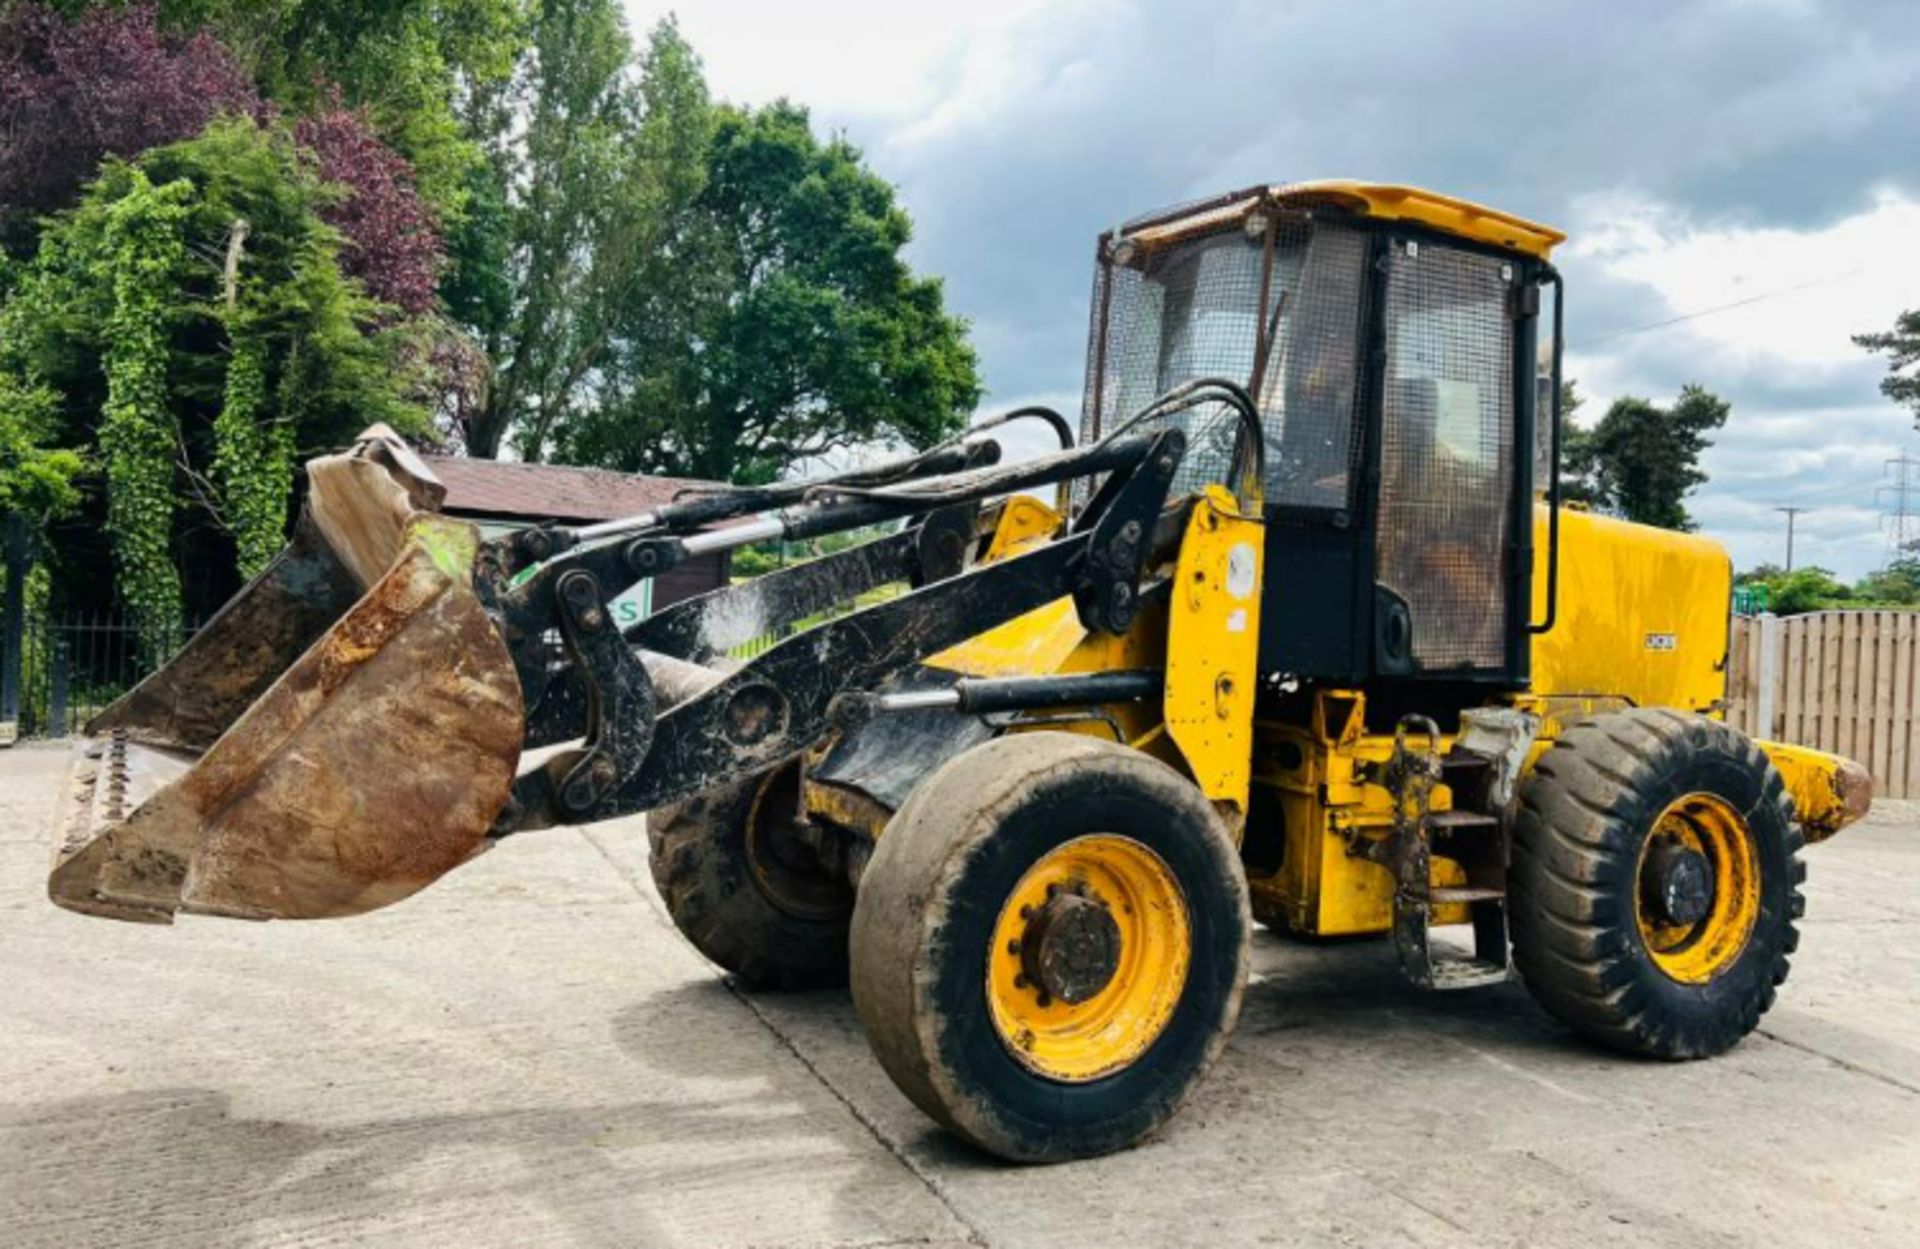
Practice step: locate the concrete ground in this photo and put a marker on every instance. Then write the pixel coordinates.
(528, 1055)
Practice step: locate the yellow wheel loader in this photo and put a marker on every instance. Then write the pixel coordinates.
(1293, 628)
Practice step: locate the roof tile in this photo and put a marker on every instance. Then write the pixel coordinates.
(504, 488)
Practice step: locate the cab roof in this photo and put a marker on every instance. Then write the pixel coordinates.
(1387, 201)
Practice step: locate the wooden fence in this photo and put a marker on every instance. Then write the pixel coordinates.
(1835, 680)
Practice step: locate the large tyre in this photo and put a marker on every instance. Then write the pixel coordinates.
(745, 891)
(1654, 883)
(1049, 945)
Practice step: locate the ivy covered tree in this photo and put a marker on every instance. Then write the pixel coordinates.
(193, 318)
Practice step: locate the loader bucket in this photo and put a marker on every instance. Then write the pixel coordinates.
(341, 734)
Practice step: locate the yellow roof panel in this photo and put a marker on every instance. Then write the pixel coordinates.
(1445, 213)
(1429, 208)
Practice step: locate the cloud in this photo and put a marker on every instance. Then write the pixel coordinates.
(1772, 311)
(1699, 153)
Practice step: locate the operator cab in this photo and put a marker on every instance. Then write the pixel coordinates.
(1388, 337)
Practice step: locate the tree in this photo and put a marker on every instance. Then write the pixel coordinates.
(789, 327)
(395, 251)
(36, 477)
(563, 165)
(1804, 590)
(1641, 461)
(1901, 345)
(404, 64)
(1896, 584)
(107, 84)
(1577, 467)
(190, 318)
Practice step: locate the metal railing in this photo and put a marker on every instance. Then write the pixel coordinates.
(63, 668)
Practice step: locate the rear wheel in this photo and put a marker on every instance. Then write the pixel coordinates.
(1050, 944)
(1654, 883)
(745, 890)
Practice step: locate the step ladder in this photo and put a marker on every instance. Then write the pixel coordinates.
(1471, 833)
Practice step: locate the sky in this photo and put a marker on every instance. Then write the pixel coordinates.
(1763, 154)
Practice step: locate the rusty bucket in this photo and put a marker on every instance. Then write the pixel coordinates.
(344, 732)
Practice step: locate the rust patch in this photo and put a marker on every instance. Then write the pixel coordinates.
(376, 762)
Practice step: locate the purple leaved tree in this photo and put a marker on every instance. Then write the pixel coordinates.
(393, 239)
(108, 83)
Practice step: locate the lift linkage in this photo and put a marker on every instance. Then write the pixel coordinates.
(657, 722)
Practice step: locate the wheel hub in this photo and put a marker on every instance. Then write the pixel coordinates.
(1678, 883)
(1071, 947)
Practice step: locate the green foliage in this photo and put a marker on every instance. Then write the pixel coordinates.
(1817, 589)
(191, 317)
(252, 455)
(1804, 590)
(794, 327)
(143, 252)
(578, 198)
(1896, 585)
(1901, 345)
(756, 560)
(408, 63)
(1641, 461)
(36, 477)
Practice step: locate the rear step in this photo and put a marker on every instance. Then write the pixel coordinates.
(1473, 838)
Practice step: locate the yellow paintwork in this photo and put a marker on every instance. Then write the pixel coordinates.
(1696, 953)
(1445, 213)
(1030, 645)
(1024, 523)
(1327, 809)
(1213, 642)
(1078, 1043)
(1829, 791)
(1626, 589)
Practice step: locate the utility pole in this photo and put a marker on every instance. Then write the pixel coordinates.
(1791, 513)
(1900, 517)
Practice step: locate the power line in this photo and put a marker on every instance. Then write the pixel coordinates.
(1707, 312)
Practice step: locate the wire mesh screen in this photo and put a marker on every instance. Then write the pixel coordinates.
(1195, 308)
(1309, 392)
(1447, 451)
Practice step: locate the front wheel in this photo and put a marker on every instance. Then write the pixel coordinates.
(742, 887)
(1654, 883)
(1049, 945)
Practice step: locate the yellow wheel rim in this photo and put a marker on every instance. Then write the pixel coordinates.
(1104, 892)
(1692, 949)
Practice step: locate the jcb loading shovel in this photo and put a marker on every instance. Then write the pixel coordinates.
(341, 734)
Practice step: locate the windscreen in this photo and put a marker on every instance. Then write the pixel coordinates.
(1199, 307)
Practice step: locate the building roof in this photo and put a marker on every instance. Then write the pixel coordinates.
(534, 492)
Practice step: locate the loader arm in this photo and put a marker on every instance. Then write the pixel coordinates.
(351, 728)
(783, 701)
